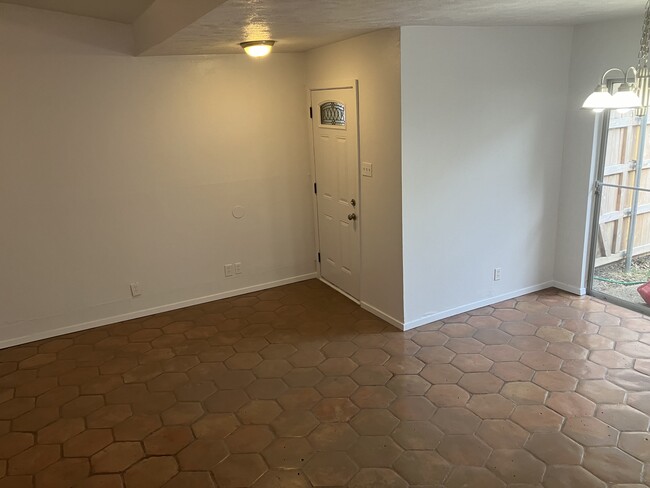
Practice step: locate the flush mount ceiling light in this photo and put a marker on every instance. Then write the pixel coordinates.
(634, 92)
(257, 49)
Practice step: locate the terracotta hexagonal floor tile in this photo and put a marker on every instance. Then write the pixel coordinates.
(66, 472)
(472, 363)
(412, 408)
(191, 480)
(456, 420)
(294, 423)
(571, 404)
(370, 356)
(333, 437)
(374, 422)
(116, 457)
(377, 478)
(375, 451)
(637, 444)
(330, 469)
(202, 455)
(335, 410)
(373, 397)
(408, 384)
(14, 443)
(154, 471)
(33, 459)
(438, 374)
(288, 453)
(249, 439)
(555, 381)
(469, 476)
(515, 466)
(555, 448)
(417, 435)
(512, 371)
(571, 477)
(623, 418)
(303, 377)
(283, 478)
(464, 450)
(537, 418)
(435, 355)
(502, 434)
(217, 425)
(239, 470)
(491, 406)
(590, 431)
(447, 396)
(612, 465)
(422, 467)
(259, 412)
(336, 386)
(524, 393)
(60, 431)
(601, 391)
(491, 337)
(168, 440)
(480, 383)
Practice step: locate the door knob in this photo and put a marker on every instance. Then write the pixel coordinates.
(352, 216)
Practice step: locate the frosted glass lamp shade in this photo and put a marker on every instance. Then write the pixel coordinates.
(599, 100)
(257, 49)
(626, 98)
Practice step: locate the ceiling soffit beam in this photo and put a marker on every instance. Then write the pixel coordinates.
(164, 18)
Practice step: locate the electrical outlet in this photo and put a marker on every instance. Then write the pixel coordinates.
(237, 268)
(228, 270)
(135, 289)
(366, 169)
(497, 274)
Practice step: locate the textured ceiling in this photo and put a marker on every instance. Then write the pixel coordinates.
(125, 11)
(300, 25)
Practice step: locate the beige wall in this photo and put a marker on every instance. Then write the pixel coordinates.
(374, 60)
(483, 130)
(116, 169)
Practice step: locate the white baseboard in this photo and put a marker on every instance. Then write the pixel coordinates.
(384, 316)
(150, 311)
(570, 288)
(427, 319)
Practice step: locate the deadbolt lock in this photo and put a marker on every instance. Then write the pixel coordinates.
(353, 202)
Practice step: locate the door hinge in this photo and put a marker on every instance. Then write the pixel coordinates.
(597, 187)
(311, 113)
(319, 257)
(315, 188)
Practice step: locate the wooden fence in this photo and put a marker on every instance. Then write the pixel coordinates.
(616, 203)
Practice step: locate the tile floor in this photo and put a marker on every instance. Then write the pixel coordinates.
(297, 387)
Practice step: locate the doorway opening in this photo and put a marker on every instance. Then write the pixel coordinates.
(620, 244)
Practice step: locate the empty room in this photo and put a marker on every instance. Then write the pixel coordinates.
(292, 244)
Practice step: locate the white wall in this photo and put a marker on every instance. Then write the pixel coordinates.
(116, 169)
(596, 47)
(374, 60)
(483, 116)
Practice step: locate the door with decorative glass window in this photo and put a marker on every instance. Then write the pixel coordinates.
(336, 158)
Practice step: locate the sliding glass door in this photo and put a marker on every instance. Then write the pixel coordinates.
(620, 251)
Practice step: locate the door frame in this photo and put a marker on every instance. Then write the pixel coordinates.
(322, 86)
(601, 146)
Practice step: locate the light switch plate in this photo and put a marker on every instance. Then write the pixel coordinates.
(366, 169)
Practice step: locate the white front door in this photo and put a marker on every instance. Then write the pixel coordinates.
(336, 156)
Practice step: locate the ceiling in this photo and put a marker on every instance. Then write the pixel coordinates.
(300, 25)
(125, 11)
